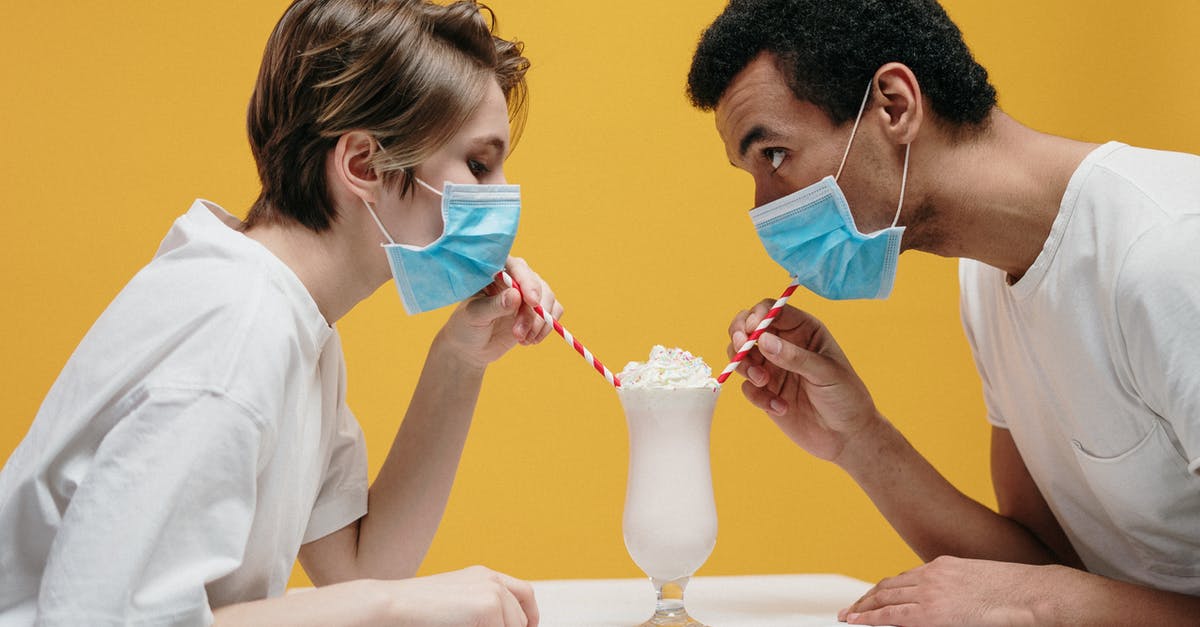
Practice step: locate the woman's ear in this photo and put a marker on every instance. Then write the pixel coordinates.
(351, 165)
(903, 110)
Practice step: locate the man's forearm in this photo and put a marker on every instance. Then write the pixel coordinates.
(1087, 599)
(409, 495)
(932, 516)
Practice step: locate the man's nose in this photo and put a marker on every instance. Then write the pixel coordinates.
(766, 192)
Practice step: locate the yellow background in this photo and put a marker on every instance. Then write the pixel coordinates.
(114, 116)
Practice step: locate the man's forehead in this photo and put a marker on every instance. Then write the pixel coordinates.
(757, 97)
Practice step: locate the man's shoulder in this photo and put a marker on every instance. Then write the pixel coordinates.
(1166, 183)
(1164, 259)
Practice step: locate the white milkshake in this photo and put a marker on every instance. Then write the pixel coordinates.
(670, 519)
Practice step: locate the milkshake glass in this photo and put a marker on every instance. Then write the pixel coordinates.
(670, 521)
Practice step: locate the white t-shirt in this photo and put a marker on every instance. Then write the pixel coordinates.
(197, 436)
(1092, 361)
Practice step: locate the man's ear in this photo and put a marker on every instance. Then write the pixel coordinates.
(902, 109)
(351, 167)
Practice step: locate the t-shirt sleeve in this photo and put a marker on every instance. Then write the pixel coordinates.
(972, 310)
(165, 508)
(342, 498)
(1158, 311)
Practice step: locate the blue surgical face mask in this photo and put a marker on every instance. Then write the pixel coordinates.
(480, 224)
(811, 233)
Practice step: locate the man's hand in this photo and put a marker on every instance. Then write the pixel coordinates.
(800, 377)
(487, 325)
(952, 591)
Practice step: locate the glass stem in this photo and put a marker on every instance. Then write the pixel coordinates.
(670, 598)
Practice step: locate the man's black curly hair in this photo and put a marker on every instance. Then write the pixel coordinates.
(830, 49)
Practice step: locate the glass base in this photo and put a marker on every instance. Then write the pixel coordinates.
(670, 613)
(673, 620)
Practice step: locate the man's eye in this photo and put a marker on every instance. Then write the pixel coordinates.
(775, 156)
(477, 168)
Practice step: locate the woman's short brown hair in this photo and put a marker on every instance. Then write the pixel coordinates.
(408, 72)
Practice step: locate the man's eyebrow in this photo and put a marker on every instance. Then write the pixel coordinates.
(757, 134)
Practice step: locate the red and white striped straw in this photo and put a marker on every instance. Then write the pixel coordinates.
(566, 335)
(758, 331)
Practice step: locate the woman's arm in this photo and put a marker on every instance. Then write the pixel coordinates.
(408, 497)
(474, 596)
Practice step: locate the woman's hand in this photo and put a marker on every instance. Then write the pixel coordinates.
(488, 324)
(472, 596)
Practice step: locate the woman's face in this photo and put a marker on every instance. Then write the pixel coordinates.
(475, 155)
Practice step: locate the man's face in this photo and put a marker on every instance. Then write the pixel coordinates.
(783, 142)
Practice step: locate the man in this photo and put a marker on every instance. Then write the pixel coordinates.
(1080, 281)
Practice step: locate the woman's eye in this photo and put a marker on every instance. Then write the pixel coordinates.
(775, 156)
(477, 168)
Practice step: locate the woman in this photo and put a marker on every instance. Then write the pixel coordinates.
(198, 439)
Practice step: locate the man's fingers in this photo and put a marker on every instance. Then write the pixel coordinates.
(883, 597)
(903, 580)
(814, 367)
(899, 615)
(764, 399)
(738, 324)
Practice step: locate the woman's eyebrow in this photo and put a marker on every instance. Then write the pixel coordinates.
(493, 141)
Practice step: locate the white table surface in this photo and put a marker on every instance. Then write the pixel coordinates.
(746, 601)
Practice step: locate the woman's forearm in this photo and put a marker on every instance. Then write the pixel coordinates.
(350, 604)
(409, 495)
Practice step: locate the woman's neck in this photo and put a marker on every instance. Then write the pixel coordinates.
(335, 265)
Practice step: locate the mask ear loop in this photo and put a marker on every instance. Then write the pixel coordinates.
(903, 183)
(372, 211)
(853, 131)
(378, 223)
(426, 185)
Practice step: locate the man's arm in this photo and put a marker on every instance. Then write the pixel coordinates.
(1020, 500)
(934, 517)
(953, 591)
(804, 382)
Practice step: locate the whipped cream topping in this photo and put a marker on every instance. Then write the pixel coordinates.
(669, 368)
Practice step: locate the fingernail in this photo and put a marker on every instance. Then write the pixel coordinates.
(739, 338)
(506, 300)
(842, 614)
(853, 617)
(769, 343)
(755, 374)
(778, 406)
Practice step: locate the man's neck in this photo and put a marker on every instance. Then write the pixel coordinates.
(994, 198)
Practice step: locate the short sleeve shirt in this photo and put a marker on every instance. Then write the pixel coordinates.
(195, 439)
(1091, 361)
